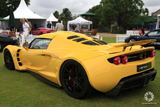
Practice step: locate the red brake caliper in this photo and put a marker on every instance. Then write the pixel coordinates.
(70, 77)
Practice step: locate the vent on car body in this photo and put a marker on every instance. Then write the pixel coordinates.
(89, 43)
(72, 37)
(79, 39)
(100, 41)
(18, 57)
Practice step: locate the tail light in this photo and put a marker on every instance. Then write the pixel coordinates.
(124, 59)
(153, 53)
(117, 60)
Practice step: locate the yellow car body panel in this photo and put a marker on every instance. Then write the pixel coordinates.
(102, 74)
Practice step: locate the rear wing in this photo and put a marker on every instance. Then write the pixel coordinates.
(142, 43)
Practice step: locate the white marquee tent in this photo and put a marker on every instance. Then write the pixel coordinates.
(23, 11)
(52, 18)
(78, 21)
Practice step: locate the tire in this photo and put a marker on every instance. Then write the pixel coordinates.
(1, 47)
(8, 60)
(74, 80)
(132, 40)
(41, 33)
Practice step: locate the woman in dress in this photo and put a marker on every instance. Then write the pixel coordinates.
(26, 30)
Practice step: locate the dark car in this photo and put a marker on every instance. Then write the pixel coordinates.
(42, 30)
(6, 40)
(154, 34)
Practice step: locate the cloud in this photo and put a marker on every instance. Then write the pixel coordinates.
(152, 5)
(45, 7)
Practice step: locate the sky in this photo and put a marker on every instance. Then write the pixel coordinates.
(46, 7)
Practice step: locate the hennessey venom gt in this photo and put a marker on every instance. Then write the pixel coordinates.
(79, 63)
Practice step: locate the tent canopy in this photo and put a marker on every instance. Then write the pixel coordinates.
(23, 11)
(78, 20)
(52, 18)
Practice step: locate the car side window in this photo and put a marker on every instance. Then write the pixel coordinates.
(40, 43)
(153, 33)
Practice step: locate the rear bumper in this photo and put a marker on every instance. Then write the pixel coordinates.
(140, 79)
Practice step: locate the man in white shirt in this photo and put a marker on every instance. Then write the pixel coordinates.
(59, 26)
(26, 30)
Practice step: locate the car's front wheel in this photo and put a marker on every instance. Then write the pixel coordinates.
(74, 80)
(132, 40)
(8, 60)
(1, 47)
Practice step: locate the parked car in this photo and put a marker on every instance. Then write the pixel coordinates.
(154, 34)
(81, 64)
(42, 30)
(6, 40)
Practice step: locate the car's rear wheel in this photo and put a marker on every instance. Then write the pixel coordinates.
(132, 40)
(41, 33)
(1, 47)
(8, 60)
(74, 80)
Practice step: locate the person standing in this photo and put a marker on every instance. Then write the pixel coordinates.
(30, 33)
(49, 25)
(35, 26)
(26, 30)
(59, 25)
(142, 28)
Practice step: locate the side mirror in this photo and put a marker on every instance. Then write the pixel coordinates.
(25, 45)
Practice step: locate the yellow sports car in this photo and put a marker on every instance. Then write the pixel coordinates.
(80, 64)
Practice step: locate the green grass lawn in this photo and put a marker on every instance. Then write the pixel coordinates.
(21, 89)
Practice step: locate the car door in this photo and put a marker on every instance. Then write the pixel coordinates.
(35, 56)
(154, 35)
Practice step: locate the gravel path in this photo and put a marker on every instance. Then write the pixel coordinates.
(106, 35)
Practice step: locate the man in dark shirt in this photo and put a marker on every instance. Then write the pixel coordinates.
(49, 25)
(35, 26)
(142, 28)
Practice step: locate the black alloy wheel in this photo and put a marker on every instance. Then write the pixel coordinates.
(8, 60)
(1, 47)
(74, 80)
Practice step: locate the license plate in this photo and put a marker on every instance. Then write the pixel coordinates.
(143, 67)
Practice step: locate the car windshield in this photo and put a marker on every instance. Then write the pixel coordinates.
(154, 33)
(40, 43)
(48, 29)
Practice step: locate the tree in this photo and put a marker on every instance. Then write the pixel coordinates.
(6, 4)
(65, 16)
(96, 19)
(75, 16)
(56, 14)
(121, 11)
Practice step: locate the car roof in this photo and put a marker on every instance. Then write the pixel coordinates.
(156, 30)
(63, 34)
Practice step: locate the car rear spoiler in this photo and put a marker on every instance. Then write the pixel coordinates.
(142, 43)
